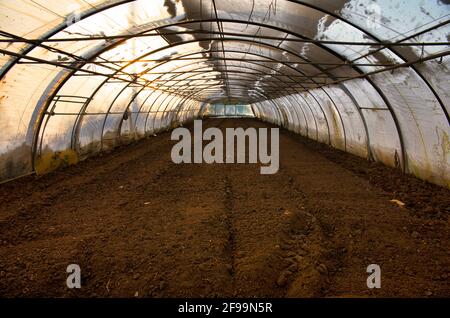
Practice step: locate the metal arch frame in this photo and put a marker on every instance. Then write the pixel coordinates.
(323, 112)
(104, 6)
(153, 103)
(269, 87)
(231, 51)
(140, 109)
(190, 97)
(106, 80)
(204, 104)
(404, 161)
(259, 111)
(199, 79)
(181, 113)
(172, 96)
(110, 107)
(294, 111)
(274, 106)
(340, 117)
(231, 39)
(131, 62)
(239, 52)
(179, 106)
(169, 103)
(296, 70)
(262, 110)
(334, 15)
(312, 113)
(298, 117)
(181, 116)
(174, 110)
(286, 112)
(235, 21)
(77, 123)
(120, 92)
(187, 97)
(300, 105)
(292, 108)
(265, 110)
(175, 105)
(160, 93)
(378, 90)
(256, 111)
(187, 72)
(219, 71)
(134, 97)
(383, 97)
(241, 40)
(396, 122)
(156, 112)
(253, 110)
(195, 21)
(260, 93)
(166, 101)
(243, 61)
(292, 53)
(62, 27)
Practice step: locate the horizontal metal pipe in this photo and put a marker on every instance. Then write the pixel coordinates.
(264, 37)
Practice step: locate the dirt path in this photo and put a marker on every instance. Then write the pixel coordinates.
(139, 225)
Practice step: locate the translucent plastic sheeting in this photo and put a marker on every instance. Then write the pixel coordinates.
(425, 128)
(337, 135)
(102, 73)
(383, 134)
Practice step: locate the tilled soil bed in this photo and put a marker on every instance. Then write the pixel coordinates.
(141, 226)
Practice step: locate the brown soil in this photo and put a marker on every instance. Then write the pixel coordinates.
(139, 225)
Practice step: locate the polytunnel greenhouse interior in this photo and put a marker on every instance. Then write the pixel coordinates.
(224, 148)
